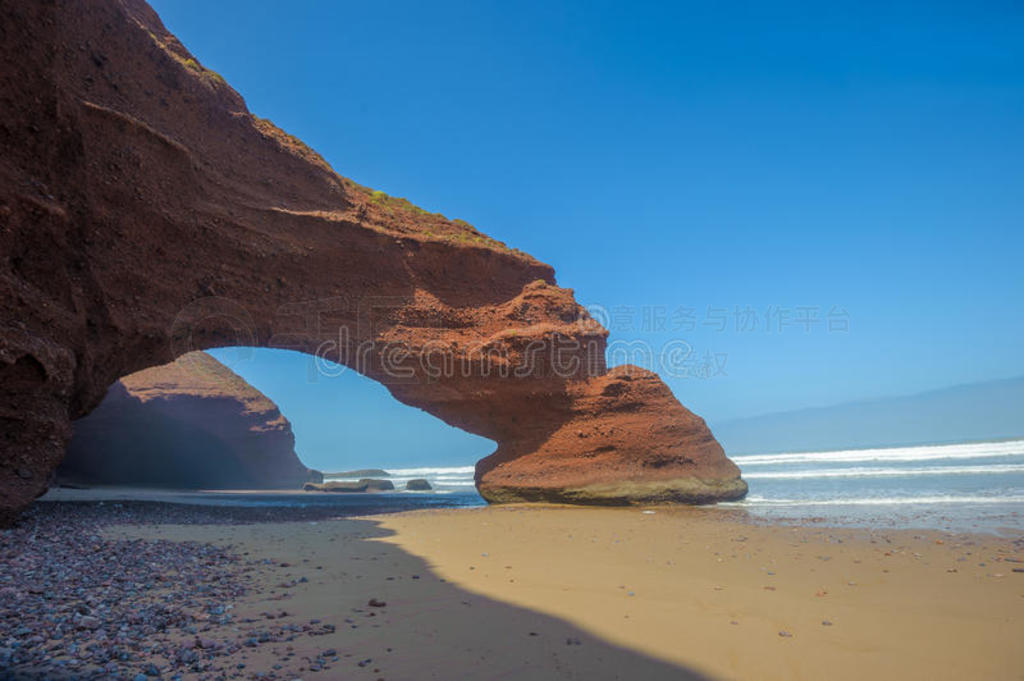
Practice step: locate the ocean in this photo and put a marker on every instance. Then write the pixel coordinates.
(977, 486)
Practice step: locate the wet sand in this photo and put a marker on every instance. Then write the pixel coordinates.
(567, 593)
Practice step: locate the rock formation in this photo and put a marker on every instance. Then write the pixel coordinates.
(190, 424)
(336, 486)
(374, 485)
(145, 213)
(621, 438)
(364, 485)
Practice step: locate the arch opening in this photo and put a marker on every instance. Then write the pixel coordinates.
(258, 418)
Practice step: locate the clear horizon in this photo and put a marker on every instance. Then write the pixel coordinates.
(824, 203)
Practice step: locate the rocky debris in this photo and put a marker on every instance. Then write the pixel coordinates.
(76, 605)
(190, 424)
(418, 485)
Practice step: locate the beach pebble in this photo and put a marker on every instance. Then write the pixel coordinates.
(88, 622)
(55, 567)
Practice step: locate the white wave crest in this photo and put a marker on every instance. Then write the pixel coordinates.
(878, 501)
(884, 472)
(979, 450)
(427, 472)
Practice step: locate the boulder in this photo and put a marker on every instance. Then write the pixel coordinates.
(373, 485)
(418, 485)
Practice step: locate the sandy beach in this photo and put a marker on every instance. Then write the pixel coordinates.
(534, 592)
(138, 589)
(740, 601)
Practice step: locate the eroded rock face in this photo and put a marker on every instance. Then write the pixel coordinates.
(625, 440)
(190, 424)
(145, 213)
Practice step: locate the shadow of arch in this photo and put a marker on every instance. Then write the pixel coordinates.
(430, 628)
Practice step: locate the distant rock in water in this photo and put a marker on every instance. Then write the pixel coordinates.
(360, 473)
(418, 485)
(190, 424)
(364, 485)
(335, 486)
(378, 485)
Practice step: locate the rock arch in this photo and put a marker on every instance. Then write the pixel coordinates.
(144, 212)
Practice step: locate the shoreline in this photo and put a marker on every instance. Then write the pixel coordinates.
(398, 501)
(525, 591)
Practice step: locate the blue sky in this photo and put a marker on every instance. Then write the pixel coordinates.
(674, 161)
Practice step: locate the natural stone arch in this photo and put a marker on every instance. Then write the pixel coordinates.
(146, 212)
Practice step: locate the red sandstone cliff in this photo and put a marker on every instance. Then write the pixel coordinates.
(144, 213)
(189, 424)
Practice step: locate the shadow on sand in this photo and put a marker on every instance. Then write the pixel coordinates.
(320, 567)
(430, 628)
